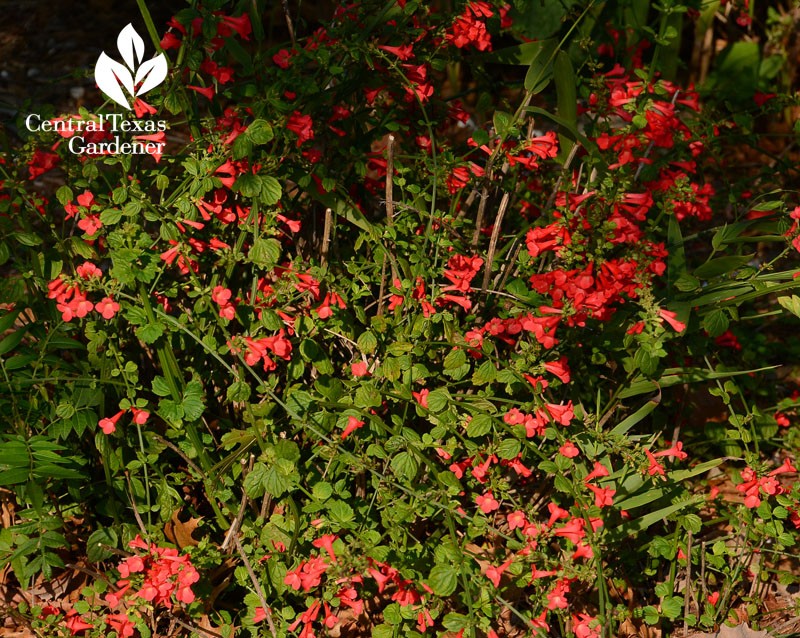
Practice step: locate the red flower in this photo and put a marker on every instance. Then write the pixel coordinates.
(140, 416)
(669, 317)
(282, 58)
(326, 542)
(359, 369)
(598, 471)
(208, 91)
(301, 125)
(559, 368)
(109, 425)
(40, 163)
(352, 424)
(487, 502)
(569, 450)
(107, 307)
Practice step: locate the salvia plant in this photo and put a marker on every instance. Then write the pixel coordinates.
(465, 319)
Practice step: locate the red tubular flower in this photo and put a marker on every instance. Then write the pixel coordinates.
(326, 542)
(301, 125)
(352, 424)
(598, 471)
(559, 368)
(670, 318)
(487, 502)
(569, 450)
(675, 451)
(107, 307)
(655, 466)
(603, 496)
(208, 91)
(109, 425)
(556, 513)
(495, 573)
(140, 416)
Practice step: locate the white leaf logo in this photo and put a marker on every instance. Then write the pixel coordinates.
(112, 77)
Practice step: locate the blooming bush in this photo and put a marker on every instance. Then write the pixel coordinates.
(414, 355)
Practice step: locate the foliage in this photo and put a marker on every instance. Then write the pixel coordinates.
(419, 319)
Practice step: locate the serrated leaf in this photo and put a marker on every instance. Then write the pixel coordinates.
(716, 322)
(405, 465)
(479, 425)
(443, 580)
(271, 190)
(259, 132)
(265, 252)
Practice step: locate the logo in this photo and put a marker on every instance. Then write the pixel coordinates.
(112, 77)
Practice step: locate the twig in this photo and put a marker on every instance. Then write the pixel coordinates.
(688, 590)
(180, 453)
(390, 203)
(136, 509)
(289, 26)
(479, 219)
(237, 522)
(254, 580)
(193, 627)
(487, 273)
(326, 237)
(382, 288)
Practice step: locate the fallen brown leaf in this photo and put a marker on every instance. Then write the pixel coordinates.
(180, 532)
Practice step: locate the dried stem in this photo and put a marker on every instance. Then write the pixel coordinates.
(390, 205)
(257, 586)
(136, 509)
(687, 592)
(487, 273)
(326, 237)
(289, 25)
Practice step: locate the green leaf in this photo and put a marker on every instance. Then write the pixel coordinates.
(8, 319)
(270, 190)
(367, 342)
(104, 536)
(672, 606)
(259, 132)
(12, 340)
(479, 425)
(193, 400)
(455, 359)
(255, 481)
(238, 391)
(721, 266)
(265, 252)
(443, 580)
(716, 322)
(277, 477)
(64, 195)
(791, 303)
(110, 216)
(509, 449)
(566, 98)
(540, 71)
(150, 333)
(171, 410)
(160, 386)
(340, 512)
(405, 465)
(437, 400)
(636, 417)
(502, 122)
(28, 239)
(248, 185)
